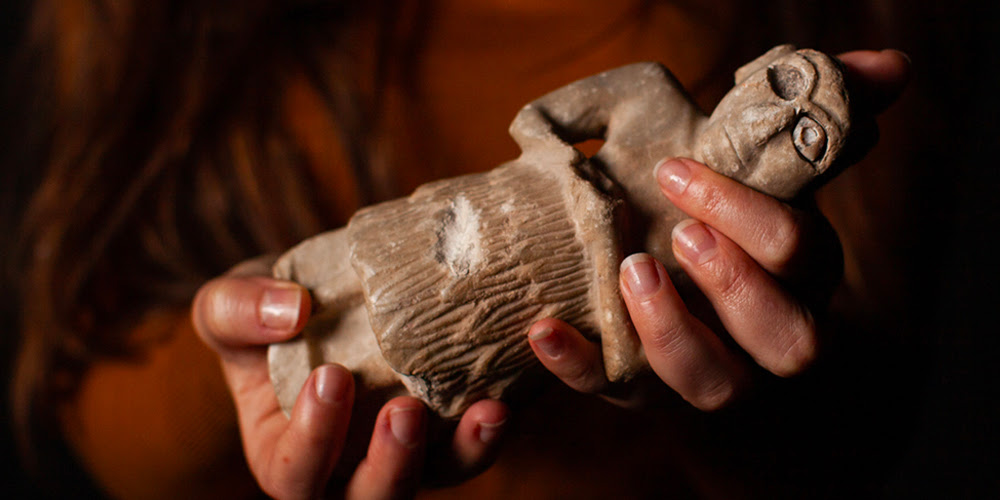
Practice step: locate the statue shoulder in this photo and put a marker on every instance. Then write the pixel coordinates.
(643, 75)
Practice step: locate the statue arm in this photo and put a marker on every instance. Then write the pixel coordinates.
(619, 106)
(586, 109)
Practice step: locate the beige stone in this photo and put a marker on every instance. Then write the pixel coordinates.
(433, 294)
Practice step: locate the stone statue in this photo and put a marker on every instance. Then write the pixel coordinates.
(434, 294)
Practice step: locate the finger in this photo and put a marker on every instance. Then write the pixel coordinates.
(877, 78)
(770, 324)
(682, 351)
(568, 355)
(294, 457)
(789, 243)
(391, 469)
(230, 313)
(477, 438)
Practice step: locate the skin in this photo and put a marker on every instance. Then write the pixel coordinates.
(748, 253)
(237, 316)
(753, 257)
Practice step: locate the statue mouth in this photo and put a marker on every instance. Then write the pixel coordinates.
(740, 163)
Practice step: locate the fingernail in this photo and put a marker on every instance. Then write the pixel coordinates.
(695, 242)
(549, 343)
(640, 274)
(673, 176)
(279, 306)
(407, 425)
(331, 385)
(488, 432)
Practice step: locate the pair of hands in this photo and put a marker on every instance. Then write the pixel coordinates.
(764, 266)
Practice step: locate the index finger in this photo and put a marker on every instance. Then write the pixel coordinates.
(785, 241)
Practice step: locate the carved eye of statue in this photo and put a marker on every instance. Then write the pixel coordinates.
(809, 139)
(786, 81)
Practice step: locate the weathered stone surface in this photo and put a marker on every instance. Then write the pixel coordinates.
(433, 294)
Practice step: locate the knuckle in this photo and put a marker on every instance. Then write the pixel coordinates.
(801, 353)
(225, 311)
(285, 475)
(582, 375)
(715, 396)
(783, 240)
(268, 481)
(731, 283)
(711, 199)
(667, 340)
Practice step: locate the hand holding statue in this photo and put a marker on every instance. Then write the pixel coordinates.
(294, 456)
(767, 267)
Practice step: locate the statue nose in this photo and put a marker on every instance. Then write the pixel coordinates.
(764, 121)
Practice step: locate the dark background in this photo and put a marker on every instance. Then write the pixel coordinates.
(954, 448)
(12, 12)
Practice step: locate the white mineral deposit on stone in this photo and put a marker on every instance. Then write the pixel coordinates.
(461, 241)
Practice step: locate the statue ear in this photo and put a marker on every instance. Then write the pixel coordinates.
(763, 61)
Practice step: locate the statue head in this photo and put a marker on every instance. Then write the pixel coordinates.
(782, 125)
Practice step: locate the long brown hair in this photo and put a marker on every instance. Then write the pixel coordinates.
(159, 158)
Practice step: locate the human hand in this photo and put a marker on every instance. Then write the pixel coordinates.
(767, 268)
(237, 316)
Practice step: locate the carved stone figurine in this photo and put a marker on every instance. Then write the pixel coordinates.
(434, 294)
